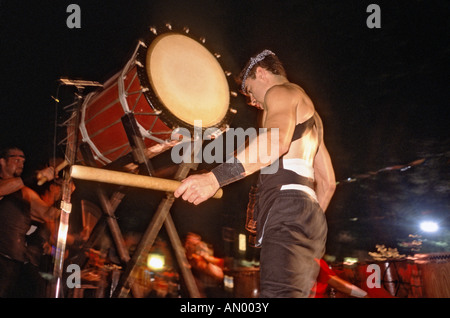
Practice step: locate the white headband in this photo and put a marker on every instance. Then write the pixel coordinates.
(253, 60)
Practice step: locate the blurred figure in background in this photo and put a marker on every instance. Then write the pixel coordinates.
(207, 269)
(327, 277)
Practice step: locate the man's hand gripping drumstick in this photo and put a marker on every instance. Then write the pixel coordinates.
(198, 188)
(49, 173)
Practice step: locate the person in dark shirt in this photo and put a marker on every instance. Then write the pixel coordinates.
(19, 206)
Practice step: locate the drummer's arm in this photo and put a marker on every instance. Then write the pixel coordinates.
(347, 288)
(280, 124)
(274, 141)
(10, 185)
(40, 211)
(325, 178)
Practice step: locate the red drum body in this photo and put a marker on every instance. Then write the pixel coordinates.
(171, 82)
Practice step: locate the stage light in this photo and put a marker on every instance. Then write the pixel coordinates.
(429, 226)
(350, 261)
(155, 261)
(242, 243)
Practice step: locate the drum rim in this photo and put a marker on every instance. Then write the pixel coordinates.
(166, 114)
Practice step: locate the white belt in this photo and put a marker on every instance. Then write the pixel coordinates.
(300, 187)
(302, 168)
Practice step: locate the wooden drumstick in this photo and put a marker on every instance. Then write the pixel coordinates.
(127, 179)
(42, 179)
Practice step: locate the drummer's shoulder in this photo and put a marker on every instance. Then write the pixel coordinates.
(280, 97)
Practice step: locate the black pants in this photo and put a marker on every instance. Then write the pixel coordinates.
(294, 234)
(20, 280)
(9, 275)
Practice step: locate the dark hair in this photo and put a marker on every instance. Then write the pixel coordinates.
(5, 151)
(270, 63)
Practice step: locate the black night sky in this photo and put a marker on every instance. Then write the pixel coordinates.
(382, 93)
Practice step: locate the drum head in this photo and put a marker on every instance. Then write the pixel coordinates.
(187, 79)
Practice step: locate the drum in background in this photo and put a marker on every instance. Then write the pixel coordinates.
(387, 285)
(419, 276)
(172, 81)
(434, 273)
(243, 282)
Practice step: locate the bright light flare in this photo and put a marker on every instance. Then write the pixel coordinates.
(155, 261)
(429, 226)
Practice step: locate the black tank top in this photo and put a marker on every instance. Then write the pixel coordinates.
(301, 129)
(15, 221)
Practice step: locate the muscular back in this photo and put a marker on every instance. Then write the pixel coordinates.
(286, 106)
(298, 109)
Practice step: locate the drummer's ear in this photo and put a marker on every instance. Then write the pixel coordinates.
(261, 73)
